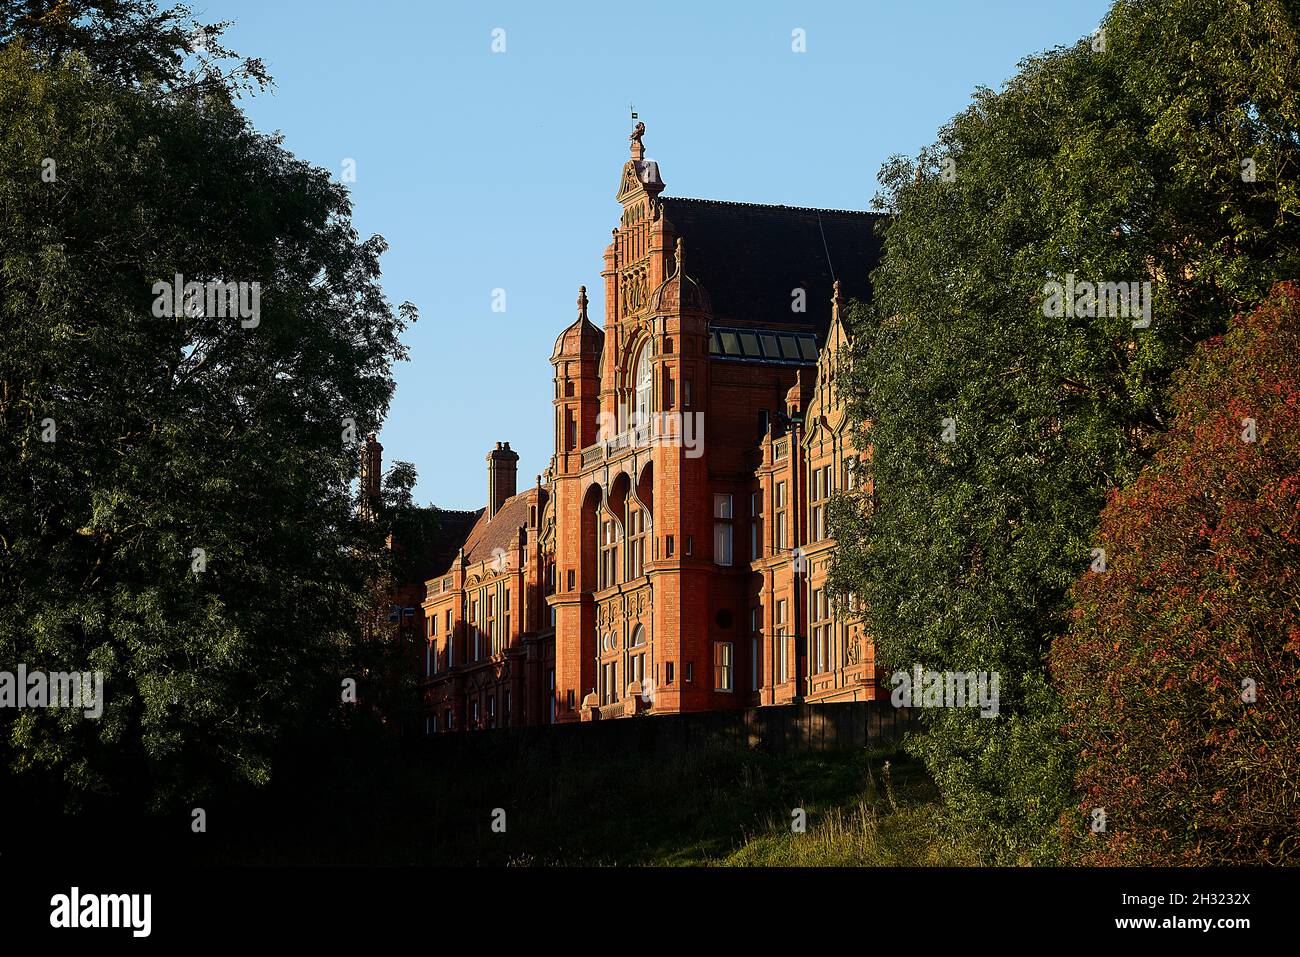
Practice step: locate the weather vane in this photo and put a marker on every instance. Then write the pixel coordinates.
(632, 109)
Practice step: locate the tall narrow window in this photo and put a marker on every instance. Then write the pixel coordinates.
(722, 531)
(755, 526)
(609, 553)
(780, 528)
(644, 388)
(636, 543)
(723, 666)
(636, 660)
(782, 650)
(609, 682)
(821, 631)
(820, 494)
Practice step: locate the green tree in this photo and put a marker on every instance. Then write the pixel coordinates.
(1121, 158)
(175, 490)
(133, 42)
(1180, 673)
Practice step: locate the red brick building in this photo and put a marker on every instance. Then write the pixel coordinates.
(673, 556)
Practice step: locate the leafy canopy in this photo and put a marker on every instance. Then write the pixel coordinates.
(1115, 160)
(1180, 673)
(175, 505)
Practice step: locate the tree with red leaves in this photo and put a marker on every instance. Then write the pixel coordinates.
(1180, 671)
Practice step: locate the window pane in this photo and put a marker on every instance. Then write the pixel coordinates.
(722, 543)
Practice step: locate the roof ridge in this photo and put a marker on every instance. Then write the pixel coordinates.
(809, 209)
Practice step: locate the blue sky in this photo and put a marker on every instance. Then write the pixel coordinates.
(492, 170)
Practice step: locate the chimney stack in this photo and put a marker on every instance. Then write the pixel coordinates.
(372, 459)
(502, 464)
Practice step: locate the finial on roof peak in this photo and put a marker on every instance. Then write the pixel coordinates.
(582, 302)
(638, 148)
(680, 251)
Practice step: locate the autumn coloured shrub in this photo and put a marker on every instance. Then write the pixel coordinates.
(1180, 671)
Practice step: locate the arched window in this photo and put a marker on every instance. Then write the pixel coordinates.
(636, 660)
(644, 381)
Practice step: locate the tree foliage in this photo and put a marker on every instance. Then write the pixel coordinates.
(1116, 159)
(134, 43)
(1180, 673)
(175, 505)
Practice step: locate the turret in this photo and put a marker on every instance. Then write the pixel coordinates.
(576, 359)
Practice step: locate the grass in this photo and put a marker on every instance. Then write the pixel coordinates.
(696, 808)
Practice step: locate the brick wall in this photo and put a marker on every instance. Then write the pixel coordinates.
(775, 729)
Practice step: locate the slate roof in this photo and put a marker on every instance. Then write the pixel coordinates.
(453, 528)
(500, 531)
(749, 258)
(486, 534)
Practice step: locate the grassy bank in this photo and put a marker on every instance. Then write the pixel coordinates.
(697, 808)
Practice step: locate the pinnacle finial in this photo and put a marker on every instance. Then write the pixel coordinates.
(680, 250)
(582, 302)
(638, 149)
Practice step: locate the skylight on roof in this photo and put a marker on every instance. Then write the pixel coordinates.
(753, 345)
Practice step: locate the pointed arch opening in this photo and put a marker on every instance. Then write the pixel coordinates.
(642, 388)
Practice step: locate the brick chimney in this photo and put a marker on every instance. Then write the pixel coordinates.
(502, 464)
(372, 459)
